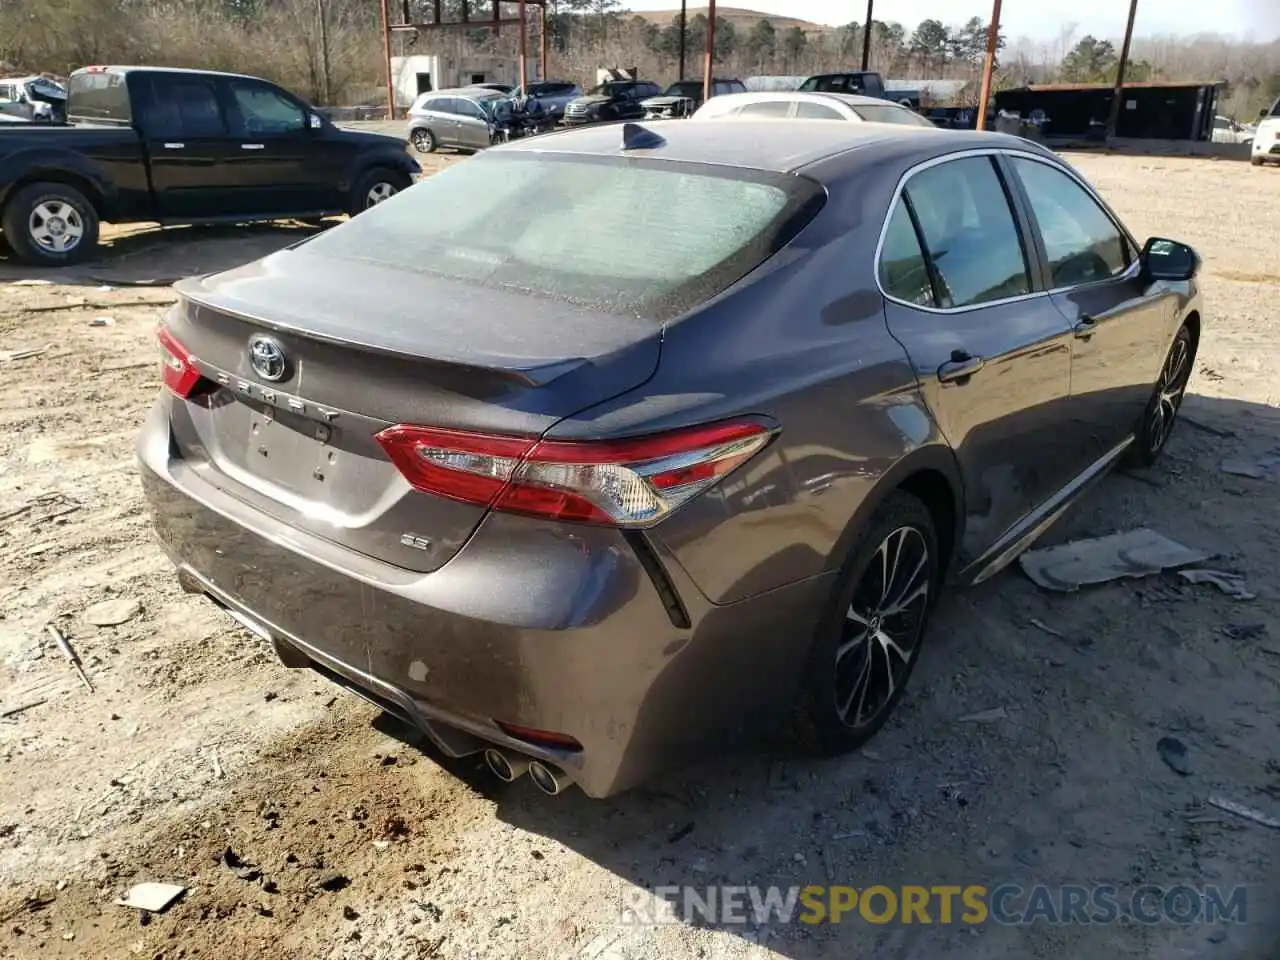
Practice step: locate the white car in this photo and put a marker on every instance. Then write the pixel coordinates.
(794, 105)
(1266, 139)
(1226, 130)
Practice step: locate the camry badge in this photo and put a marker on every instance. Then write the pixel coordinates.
(266, 356)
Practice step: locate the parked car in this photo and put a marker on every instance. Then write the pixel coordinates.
(1266, 137)
(612, 100)
(639, 510)
(863, 83)
(182, 146)
(465, 119)
(554, 95)
(785, 105)
(1226, 130)
(506, 88)
(33, 98)
(683, 97)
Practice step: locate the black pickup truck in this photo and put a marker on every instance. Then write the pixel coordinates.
(182, 147)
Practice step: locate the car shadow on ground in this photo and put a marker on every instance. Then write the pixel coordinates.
(1025, 752)
(151, 256)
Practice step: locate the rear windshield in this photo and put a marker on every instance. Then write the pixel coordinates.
(99, 96)
(889, 114)
(631, 237)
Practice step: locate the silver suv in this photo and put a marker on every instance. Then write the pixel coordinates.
(463, 119)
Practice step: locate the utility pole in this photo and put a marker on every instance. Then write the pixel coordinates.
(866, 36)
(711, 50)
(322, 16)
(993, 43)
(1113, 119)
(684, 32)
(386, 61)
(523, 48)
(544, 48)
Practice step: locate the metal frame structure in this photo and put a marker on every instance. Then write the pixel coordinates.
(495, 22)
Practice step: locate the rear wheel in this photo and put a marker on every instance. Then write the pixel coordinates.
(870, 638)
(375, 187)
(50, 225)
(1157, 421)
(423, 140)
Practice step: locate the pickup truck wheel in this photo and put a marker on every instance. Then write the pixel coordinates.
(377, 185)
(50, 225)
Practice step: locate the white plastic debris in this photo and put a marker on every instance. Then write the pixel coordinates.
(1232, 584)
(1134, 553)
(152, 897)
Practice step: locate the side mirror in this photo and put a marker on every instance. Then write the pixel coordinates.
(315, 122)
(1169, 260)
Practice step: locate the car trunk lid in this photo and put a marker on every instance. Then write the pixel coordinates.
(364, 347)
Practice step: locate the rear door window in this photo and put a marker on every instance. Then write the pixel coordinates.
(767, 108)
(179, 106)
(816, 111)
(904, 274)
(969, 231)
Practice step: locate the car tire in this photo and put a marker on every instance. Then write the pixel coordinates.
(423, 140)
(900, 536)
(50, 225)
(1156, 425)
(1256, 161)
(375, 186)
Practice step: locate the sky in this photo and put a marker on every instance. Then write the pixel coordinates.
(1037, 19)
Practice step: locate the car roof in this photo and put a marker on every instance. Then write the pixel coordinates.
(118, 68)
(756, 143)
(815, 96)
(473, 93)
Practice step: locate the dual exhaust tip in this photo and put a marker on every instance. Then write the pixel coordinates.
(509, 767)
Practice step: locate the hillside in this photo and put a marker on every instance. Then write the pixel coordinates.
(742, 19)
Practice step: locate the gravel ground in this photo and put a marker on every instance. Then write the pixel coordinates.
(355, 842)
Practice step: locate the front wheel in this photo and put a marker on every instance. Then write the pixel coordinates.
(50, 225)
(870, 637)
(375, 187)
(1156, 425)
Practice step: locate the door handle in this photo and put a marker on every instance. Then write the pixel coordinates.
(253, 146)
(175, 146)
(1085, 327)
(960, 367)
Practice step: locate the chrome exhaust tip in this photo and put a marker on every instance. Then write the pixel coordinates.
(506, 768)
(547, 778)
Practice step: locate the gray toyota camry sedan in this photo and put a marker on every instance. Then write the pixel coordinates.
(610, 446)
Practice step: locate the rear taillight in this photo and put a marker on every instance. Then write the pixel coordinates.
(625, 483)
(177, 364)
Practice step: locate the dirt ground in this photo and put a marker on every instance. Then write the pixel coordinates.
(355, 843)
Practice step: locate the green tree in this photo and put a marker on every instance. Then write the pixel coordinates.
(762, 43)
(930, 43)
(794, 44)
(726, 39)
(1090, 61)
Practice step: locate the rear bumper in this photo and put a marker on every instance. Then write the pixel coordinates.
(553, 627)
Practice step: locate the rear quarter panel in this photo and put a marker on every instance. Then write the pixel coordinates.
(109, 159)
(803, 342)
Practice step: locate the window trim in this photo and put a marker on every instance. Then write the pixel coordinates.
(1129, 273)
(1030, 252)
(1026, 226)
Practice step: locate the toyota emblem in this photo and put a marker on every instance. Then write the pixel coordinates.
(266, 357)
